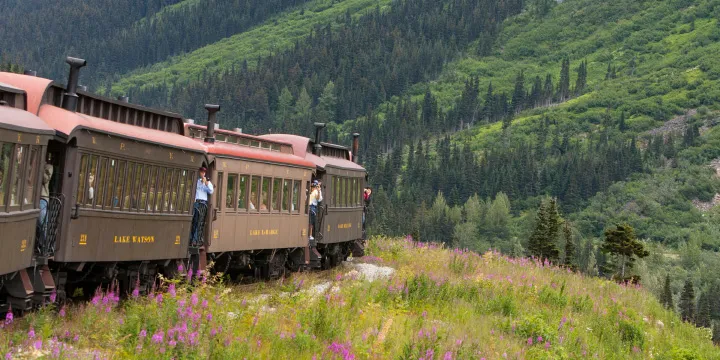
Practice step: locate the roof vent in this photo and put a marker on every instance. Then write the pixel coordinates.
(30, 72)
(238, 130)
(318, 129)
(124, 99)
(70, 98)
(211, 125)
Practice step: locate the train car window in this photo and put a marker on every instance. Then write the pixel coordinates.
(296, 196)
(169, 179)
(145, 188)
(177, 191)
(101, 179)
(182, 197)
(159, 189)
(254, 193)
(150, 187)
(18, 163)
(265, 195)
(230, 194)
(245, 142)
(307, 197)
(354, 192)
(275, 147)
(31, 172)
(189, 187)
(121, 179)
(286, 200)
(254, 143)
(242, 192)
(277, 183)
(346, 190)
(92, 181)
(218, 191)
(219, 137)
(129, 201)
(336, 187)
(265, 145)
(112, 166)
(81, 179)
(5, 156)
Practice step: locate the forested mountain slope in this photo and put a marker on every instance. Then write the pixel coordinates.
(116, 36)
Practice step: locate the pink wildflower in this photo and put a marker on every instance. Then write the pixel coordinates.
(9, 318)
(171, 290)
(53, 296)
(31, 333)
(530, 341)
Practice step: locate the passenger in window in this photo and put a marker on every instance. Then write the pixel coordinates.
(367, 193)
(253, 195)
(204, 188)
(263, 206)
(91, 189)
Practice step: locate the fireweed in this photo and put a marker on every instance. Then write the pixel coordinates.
(439, 304)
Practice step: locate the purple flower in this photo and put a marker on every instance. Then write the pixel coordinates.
(62, 311)
(38, 344)
(135, 293)
(159, 298)
(172, 343)
(53, 296)
(190, 275)
(209, 316)
(547, 345)
(9, 318)
(76, 338)
(530, 341)
(171, 289)
(181, 268)
(31, 333)
(8, 356)
(194, 299)
(204, 304)
(157, 338)
(448, 356)
(143, 333)
(213, 332)
(539, 339)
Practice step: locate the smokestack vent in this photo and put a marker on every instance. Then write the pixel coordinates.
(189, 121)
(30, 72)
(318, 147)
(70, 97)
(355, 147)
(124, 99)
(211, 125)
(238, 130)
(82, 88)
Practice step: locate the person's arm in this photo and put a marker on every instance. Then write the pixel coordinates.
(210, 188)
(320, 197)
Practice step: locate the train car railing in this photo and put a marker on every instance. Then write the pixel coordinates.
(47, 227)
(197, 232)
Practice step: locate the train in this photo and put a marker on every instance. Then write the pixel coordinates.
(96, 190)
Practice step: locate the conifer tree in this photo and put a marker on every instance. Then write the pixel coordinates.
(703, 311)
(716, 333)
(581, 80)
(518, 97)
(564, 85)
(622, 126)
(570, 262)
(548, 90)
(666, 298)
(489, 105)
(687, 302)
(543, 241)
(621, 243)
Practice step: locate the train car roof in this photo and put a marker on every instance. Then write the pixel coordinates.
(300, 146)
(235, 133)
(68, 122)
(21, 120)
(245, 152)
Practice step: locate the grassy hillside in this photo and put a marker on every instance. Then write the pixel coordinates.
(426, 302)
(278, 33)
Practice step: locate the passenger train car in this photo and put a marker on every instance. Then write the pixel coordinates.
(94, 190)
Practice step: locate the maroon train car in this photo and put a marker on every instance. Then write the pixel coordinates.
(125, 175)
(23, 143)
(260, 190)
(339, 223)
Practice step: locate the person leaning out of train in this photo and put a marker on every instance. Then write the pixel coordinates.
(366, 199)
(204, 189)
(314, 198)
(45, 191)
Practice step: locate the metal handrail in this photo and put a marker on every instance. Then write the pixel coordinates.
(48, 225)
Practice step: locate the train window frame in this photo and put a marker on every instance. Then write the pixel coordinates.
(101, 181)
(307, 197)
(167, 190)
(242, 192)
(267, 193)
(276, 195)
(232, 196)
(335, 188)
(94, 162)
(16, 181)
(31, 177)
(82, 179)
(286, 202)
(6, 153)
(296, 190)
(219, 185)
(122, 182)
(255, 200)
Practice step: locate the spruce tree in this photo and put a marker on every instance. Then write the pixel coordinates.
(622, 126)
(666, 298)
(581, 80)
(687, 302)
(564, 85)
(570, 262)
(621, 243)
(548, 90)
(518, 97)
(703, 311)
(543, 241)
(716, 333)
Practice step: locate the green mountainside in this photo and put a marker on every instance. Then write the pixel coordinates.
(472, 113)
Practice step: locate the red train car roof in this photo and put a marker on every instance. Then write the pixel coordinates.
(68, 122)
(246, 152)
(21, 120)
(235, 133)
(300, 146)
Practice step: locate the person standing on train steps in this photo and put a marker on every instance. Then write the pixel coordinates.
(314, 198)
(204, 189)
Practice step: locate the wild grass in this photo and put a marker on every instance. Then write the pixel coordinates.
(438, 304)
